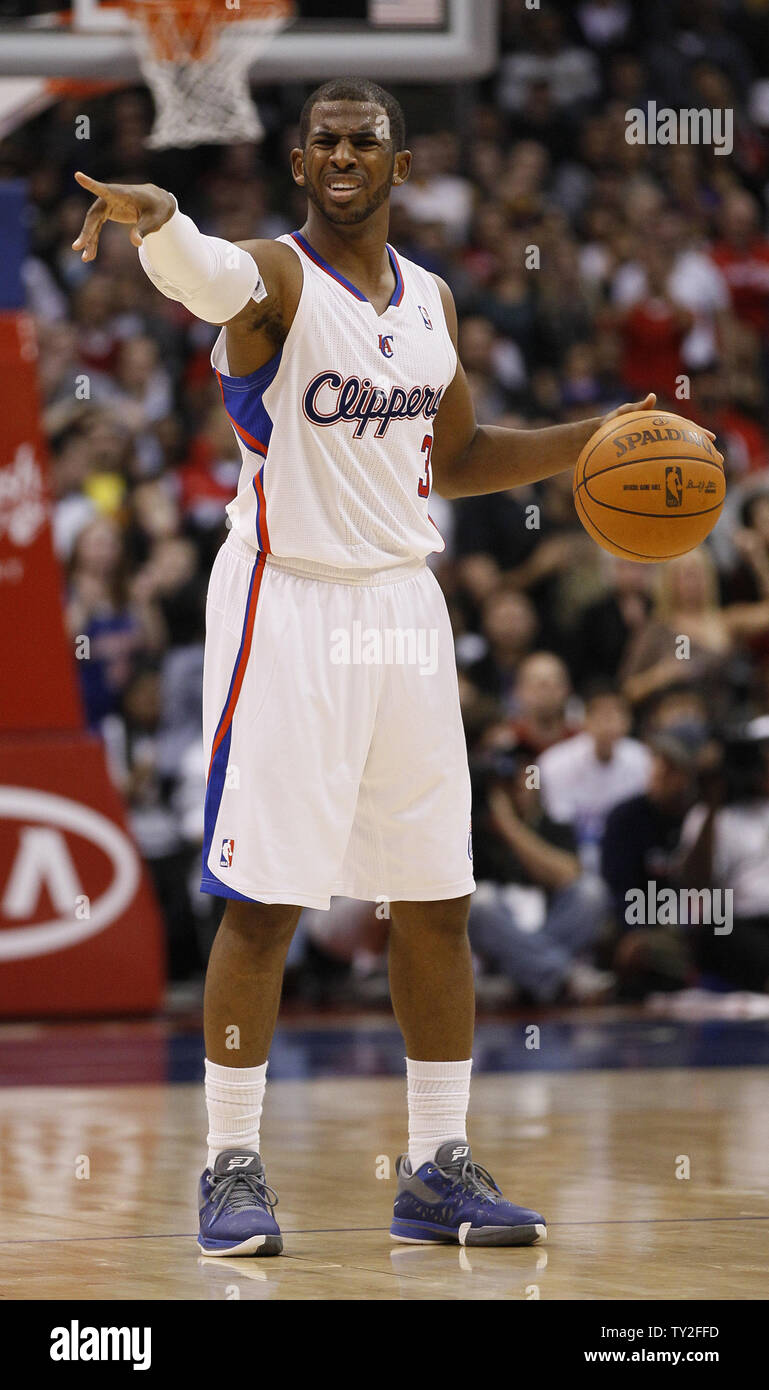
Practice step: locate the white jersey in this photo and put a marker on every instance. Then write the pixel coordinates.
(336, 430)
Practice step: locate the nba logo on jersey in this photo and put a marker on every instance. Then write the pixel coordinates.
(386, 344)
(228, 849)
(425, 316)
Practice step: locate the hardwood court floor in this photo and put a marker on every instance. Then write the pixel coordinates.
(597, 1152)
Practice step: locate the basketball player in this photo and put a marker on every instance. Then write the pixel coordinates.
(337, 756)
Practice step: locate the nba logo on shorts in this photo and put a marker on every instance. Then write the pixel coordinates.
(228, 849)
(386, 344)
(674, 486)
(425, 316)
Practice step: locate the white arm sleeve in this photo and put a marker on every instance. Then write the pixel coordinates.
(213, 278)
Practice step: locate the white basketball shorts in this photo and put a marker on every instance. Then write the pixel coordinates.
(337, 760)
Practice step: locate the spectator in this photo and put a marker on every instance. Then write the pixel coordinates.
(209, 478)
(509, 626)
(73, 509)
(541, 698)
(607, 624)
(437, 193)
(493, 539)
(642, 832)
(742, 255)
(605, 23)
(743, 437)
(584, 777)
(723, 847)
(535, 915)
(569, 71)
(690, 638)
(653, 330)
(691, 281)
(131, 738)
(98, 337)
(493, 366)
(142, 397)
(105, 628)
(749, 582)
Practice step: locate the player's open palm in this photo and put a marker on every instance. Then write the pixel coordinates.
(144, 206)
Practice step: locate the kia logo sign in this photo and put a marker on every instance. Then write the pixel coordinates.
(51, 818)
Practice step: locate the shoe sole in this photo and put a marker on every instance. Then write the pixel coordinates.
(255, 1246)
(422, 1233)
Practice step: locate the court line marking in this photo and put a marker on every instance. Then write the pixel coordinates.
(366, 1230)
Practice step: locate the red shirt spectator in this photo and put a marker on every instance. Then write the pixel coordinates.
(652, 333)
(745, 439)
(742, 256)
(746, 272)
(209, 478)
(532, 736)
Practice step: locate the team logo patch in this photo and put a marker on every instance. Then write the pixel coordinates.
(386, 344)
(425, 317)
(674, 486)
(228, 850)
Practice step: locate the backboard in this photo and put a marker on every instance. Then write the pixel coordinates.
(395, 40)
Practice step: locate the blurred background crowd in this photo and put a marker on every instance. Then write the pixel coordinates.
(606, 755)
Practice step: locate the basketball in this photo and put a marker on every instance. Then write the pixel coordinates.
(649, 486)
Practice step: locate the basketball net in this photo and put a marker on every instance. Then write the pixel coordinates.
(199, 83)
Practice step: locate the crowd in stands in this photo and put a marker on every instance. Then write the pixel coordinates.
(606, 754)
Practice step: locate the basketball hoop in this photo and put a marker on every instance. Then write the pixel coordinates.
(196, 63)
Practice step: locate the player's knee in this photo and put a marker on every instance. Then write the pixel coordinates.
(268, 924)
(447, 917)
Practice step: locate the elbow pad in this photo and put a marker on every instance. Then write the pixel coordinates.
(212, 278)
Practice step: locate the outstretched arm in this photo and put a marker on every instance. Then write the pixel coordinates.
(253, 288)
(469, 459)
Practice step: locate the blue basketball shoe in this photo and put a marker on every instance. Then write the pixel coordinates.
(236, 1207)
(453, 1199)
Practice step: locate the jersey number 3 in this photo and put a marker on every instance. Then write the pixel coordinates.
(426, 483)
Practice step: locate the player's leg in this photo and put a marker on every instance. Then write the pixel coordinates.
(288, 730)
(431, 979)
(244, 981)
(243, 987)
(411, 845)
(442, 1194)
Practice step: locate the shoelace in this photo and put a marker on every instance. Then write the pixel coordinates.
(473, 1177)
(243, 1190)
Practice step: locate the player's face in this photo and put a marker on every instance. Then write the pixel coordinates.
(348, 165)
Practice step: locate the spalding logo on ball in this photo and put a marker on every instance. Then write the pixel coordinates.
(649, 486)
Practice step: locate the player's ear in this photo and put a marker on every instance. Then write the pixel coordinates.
(402, 166)
(297, 166)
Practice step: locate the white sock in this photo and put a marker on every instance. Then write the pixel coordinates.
(234, 1098)
(438, 1097)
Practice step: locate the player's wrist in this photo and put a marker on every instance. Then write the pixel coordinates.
(163, 210)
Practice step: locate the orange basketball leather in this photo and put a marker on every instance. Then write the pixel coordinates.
(649, 486)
